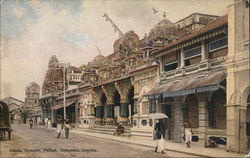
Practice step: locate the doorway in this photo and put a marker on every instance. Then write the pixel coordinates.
(169, 121)
(167, 109)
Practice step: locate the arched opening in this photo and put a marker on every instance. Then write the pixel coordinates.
(117, 99)
(131, 103)
(248, 121)
(104, 110)
(192, 110)
(217, 110)
(104, 99)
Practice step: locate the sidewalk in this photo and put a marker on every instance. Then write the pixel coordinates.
(169, 146)
(195, 150)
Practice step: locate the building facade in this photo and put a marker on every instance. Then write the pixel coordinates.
(16, 109)
(238, 78)
(193, 83)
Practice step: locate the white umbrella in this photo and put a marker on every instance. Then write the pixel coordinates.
(158, 116)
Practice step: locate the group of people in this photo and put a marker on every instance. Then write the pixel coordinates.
(159, 134)
(63, 124)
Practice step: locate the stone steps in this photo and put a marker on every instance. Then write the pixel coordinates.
(141, 133)
(107, 130)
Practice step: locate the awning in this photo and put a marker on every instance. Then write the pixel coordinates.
(190, 85)
(59, 106)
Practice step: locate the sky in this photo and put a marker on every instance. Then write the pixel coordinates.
(34, 30)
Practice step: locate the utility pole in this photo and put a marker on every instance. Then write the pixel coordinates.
(64, 92)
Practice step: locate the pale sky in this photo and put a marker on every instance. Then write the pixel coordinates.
(34, 30)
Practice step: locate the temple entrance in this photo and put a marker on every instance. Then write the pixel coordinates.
(131, 104)
(103, 108)
(192, 110)
(104, 99)
(248, 122)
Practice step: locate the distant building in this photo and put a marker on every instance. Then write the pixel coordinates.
(15, 109)
(51, 101)
(74, 75)
(32, 94)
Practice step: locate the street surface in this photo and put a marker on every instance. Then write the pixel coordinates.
(40, 143)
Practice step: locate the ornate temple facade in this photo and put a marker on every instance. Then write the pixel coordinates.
(184, 69)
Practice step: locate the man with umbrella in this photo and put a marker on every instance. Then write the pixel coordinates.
(159, 133)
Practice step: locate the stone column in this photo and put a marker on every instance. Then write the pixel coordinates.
(123, 89)
(109, 91)
(203, 51)
(99, 107)
(203, 119)
(178, 119)
(182, 58)
(233, 128)
(243, 132)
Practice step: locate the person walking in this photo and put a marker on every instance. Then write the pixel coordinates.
(59, 126)
(31, 123)
(67, 127)
(187, 132)
(49, 125)
(160, 135)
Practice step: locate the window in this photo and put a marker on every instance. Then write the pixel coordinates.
(218, 44)
(192, 56)
(192, 52)
(171, 61)
(171, 66)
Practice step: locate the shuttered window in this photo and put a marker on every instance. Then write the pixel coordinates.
(218, 44)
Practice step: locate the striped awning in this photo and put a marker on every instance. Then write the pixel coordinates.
(190, 85)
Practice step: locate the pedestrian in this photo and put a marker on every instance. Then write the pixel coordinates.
(49, 125)
(31, 123)
(160, 135)
(59, 125)
(187, 132)
(67, 127)
(119, 130)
